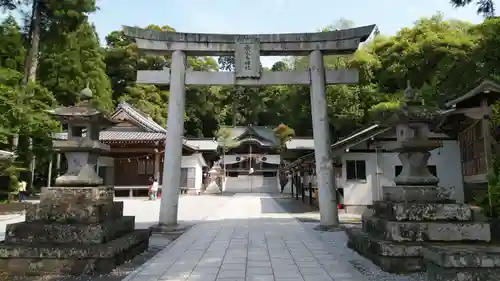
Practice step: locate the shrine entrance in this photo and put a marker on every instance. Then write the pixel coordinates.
(247, 50)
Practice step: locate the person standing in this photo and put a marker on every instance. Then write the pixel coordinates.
(283, 180)
(150, 188)
(22, 190)
(154, 189)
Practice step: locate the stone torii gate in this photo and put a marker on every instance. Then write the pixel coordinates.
(247, 50)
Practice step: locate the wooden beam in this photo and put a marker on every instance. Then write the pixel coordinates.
(296, 77)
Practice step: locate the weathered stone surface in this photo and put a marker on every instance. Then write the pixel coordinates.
(63, 196)
(390, 257)
(61, 233)
(422, 212)
(427, 231)
(334, 42)
(423, 194)
(386, 248)
(72, 259)
(73, 230)
(72, 213)
(75, 250)
(415, 170)
(463, 256)
(437, 273)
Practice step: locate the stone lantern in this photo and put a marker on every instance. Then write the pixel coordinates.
(77, 228)
(215, 179)
(404, 231)
(82, 146)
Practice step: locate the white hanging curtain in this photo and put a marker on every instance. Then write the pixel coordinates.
(270, 159)
(232, 159)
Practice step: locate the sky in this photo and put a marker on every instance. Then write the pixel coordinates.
(270, 16)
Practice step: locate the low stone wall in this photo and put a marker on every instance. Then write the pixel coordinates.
(12, 208)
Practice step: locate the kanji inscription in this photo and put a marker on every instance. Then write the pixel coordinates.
(247, 59)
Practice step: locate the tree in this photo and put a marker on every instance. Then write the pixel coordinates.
(73, 62)
(284, 135)
(12, 51)
(484, 7)
(123, 60)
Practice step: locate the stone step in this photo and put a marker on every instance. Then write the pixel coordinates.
(77, 233)
(74, 213)
(395, 257)
(73, 259)
(397, 211)
(426, 231)
(462, 262)
(368, 247)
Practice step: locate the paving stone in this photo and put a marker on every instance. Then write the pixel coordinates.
(268, 277)
(238, 241)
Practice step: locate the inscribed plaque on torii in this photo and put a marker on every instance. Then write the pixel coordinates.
(247, 58)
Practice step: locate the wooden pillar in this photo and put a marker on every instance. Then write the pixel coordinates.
(301, 184)
(486, 131)
(58, 164)
(310, 184)
(49, 172)
(296, 186)
(157, 165)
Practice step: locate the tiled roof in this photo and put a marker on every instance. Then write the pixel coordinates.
(484, 87)
(120, 136)
(266, 135)
(140, 117)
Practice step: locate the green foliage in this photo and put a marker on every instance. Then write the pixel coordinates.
(12, 49)
(225, 139)
(384, 107)
(490, 200)
(72, 62)
(441, 58)
(484, 7)
(284, 134)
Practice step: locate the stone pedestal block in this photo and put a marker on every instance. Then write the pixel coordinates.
(73, 230)
(398, 211)
(389, 256)
(395, 232)
(462, 263)
(422, 231)
(416, 193)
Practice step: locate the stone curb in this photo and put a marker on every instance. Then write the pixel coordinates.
(147, 263)
(10, 216)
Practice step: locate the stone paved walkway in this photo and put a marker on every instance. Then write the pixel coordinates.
(251, 237)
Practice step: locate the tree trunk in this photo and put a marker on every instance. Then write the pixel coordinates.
(30, 69)
(31, 63)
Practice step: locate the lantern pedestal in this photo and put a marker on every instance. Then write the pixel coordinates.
(72, 231)
(418, 224)
(77, 228)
